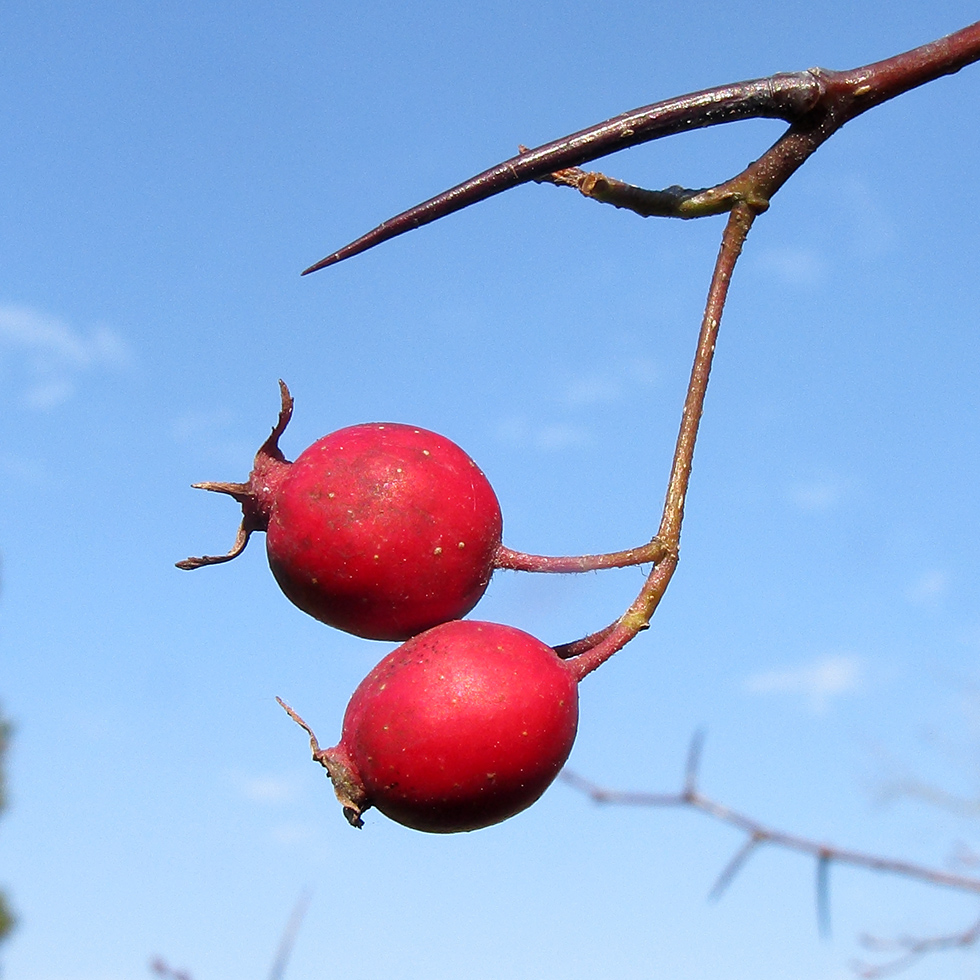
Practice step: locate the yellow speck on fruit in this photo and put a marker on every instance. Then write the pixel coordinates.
(331, 495)
(462, 544)
(398, 470)
(315, 581)
(380, 426)
(425, 452)
(438, 551)
(375, 557)
(524, 733)
(491, 775)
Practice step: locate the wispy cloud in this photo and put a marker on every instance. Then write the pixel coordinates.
(22, 469)
(548, 437)
(571, 398)
(214, 434)
(872, 229)
(610, 384)
(818, 681)
(266, 788)
(52, 355)
(293, 833)
(928, 588)
(817, 495)
(791, 265)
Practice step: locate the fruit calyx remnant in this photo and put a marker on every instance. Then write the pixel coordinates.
(257, 494)
(346, 783)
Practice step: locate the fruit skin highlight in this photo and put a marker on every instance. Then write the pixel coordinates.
(459, 728)
(382, 530)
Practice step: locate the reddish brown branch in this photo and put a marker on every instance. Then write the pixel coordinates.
(781, 96)
(816, 103)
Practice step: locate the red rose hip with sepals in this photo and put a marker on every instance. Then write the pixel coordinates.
(383, 530)
(459, 728)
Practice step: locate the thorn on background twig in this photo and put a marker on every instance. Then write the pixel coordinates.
(733, 867)
(823, 895)
(693, 766)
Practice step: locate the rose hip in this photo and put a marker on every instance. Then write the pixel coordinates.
(383, 530)
(459, 728)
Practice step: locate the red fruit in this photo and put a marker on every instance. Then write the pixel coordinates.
(459, 728)
(382, 530)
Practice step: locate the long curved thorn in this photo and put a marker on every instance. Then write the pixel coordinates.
(784, 96)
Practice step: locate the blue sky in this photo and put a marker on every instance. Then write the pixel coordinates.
(168, 171)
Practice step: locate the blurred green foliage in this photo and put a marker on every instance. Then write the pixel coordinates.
(6, 917)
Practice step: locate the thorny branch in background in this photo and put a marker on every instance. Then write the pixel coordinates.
(942, 799)
(911, 950)
(758, 834)
(160, 967)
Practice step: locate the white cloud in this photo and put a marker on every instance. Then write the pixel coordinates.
(872, 228)
(52, 354)
(612, 384)
(21, 468)
(547, 437)
(194, 426)
(928, 588)
(594, 390)
(266, 788)
(794, 266)
(293, 833)
(816, 496)
(818, 681)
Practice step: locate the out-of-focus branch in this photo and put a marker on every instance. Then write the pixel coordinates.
(911, 950)
(917, 789)
(7, 918)
(758, 833)
(160, 967)
(289, 935)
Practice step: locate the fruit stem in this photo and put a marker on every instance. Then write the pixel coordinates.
(637, 617)
(568, 650)
(519, 561)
